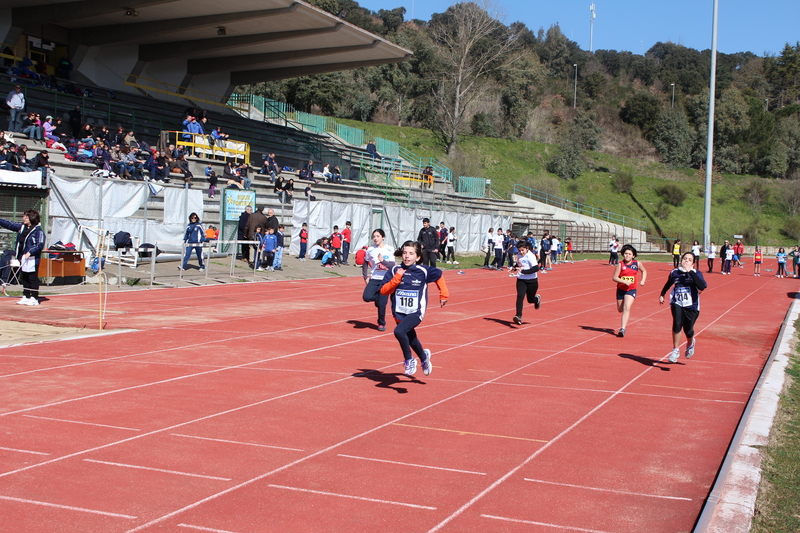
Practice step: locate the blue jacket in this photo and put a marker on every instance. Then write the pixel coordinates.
(270, 242)
(33, 243)
(279, 238)
(195, 234)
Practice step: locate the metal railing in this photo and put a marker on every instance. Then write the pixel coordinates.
(207, 146)
(581, 209)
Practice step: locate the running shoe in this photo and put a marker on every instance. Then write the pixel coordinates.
(455, 262)
(673, 355)
(518, 320)
(259, 269)
(32, 301)
(381, 327)
(427, 366)
(690, 349)
(202, 270)
(411, 366)
(23, 301)
(621, 332)
(538, 303)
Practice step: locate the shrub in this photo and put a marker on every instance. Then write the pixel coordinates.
(791, 228)
(663, 210)
(623, 182)
(568, 164)
(672, 193)
(756, 194)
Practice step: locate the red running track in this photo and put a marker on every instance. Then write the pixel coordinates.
(278, 407)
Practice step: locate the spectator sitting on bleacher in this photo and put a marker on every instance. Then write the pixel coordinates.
(337, 174)
(307, 172)
(60, 130)
(128, 166)
(270, 167)
(32, 127)
(119, 137)
(288, 191)
(49, 129)
(4, 164)
(278, 188)
(42, 163)
(326, 172)
(373, 150)
(103, 135)
(158, 172)
(130, 141)
(217, 135)
(102, 157)
(308, 193)
(242, 170)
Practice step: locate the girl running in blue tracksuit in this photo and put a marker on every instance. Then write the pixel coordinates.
(407, 283)
(684, 302)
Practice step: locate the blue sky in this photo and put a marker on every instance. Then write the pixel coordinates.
(744, 25)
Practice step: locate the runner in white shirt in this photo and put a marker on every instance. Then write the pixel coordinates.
(378, 260)
(527, 279)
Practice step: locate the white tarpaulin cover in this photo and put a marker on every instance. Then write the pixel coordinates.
(400, 223)
(21, 178)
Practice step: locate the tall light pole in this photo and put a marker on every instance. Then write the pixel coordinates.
(591, 29)
(710, 144)
(575, 92)
(673, 94)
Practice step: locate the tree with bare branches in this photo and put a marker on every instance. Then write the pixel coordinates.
(472, 46)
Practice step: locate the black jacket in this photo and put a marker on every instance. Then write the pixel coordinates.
(429, 239)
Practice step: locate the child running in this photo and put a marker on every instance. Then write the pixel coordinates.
(684, 302)
(527, 279)
(378, 259)
(407, 283)
(625, 275)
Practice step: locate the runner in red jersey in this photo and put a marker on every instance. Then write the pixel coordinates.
(626, 275)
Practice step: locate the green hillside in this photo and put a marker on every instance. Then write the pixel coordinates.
(508, 162)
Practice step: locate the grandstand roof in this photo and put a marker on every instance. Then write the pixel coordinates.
(252, 40)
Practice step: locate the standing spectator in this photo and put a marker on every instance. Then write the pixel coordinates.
(488, 246)
(727, 255)
(499, 241)
(544, 254)
(336, 246)
(255, 219)
(442, 239)
(711, 254)
(75, 121)
(615, 252)
(303, 242)
(554, 244)
(428, 240)
(240, 233)
(278, 263)
(346, 236)
(195, 234)
(738, 253)
(270, 246)
(450, 253)
(16, 103)
(795, 255)
(28, 250)
(272, 221)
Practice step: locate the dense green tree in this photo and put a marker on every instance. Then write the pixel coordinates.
(673, 138)
(393, 18)
(325, 91)
(584, 131)
(784, 160)
(641, 109)
(783, 73)
(594, 84)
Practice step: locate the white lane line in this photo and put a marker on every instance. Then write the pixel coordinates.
(68, 507)
(23, 451)
(415, 506)
(137, 467)
(545, 524)
(82, 423)
(237, 442)
(584, 487)
(558, 437)
(412, 464)
(200, 528)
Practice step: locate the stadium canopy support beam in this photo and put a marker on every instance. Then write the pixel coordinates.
(189, 49)
(255, 76)
(223, 64)
(69, 11)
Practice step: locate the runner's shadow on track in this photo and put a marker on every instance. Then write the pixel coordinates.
(508, 323)
(387, 380)
(610, 331)
(646, 361)
(359, 324)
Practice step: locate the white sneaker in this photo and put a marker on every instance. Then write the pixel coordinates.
(427, 366)
(455, 262)
(673, 355)
(449, 262)
(259, 269)
(202, 270)
(690, 349)
(410, 367)
(23, 301)
(32, 301)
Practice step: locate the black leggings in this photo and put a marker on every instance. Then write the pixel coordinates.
(407, 337)
(526, 287)
(30, 284)
(450, 254)
(676, 261)
(683, 318)
(710, 265)
(372, 293)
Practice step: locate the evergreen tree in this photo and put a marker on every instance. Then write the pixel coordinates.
(673, 138)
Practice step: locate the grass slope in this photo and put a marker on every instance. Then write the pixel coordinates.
(508, 162)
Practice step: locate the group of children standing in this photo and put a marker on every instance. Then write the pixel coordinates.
(268, 246)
